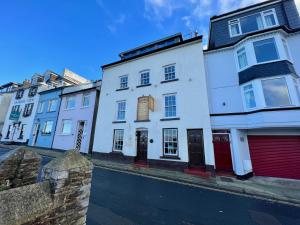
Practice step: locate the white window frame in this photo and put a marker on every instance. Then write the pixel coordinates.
(66, 104)
(86, 96)
(243, 50)
(50, 102)
(45, 126)
(244, 97)
(117, 138)
(141, 79)
(167, 66)
(176, 103)
(297, 89)
(41, 107)
(262, 13)
(62, 127)
(286, 49)
(276, 48)
(117, 115)
(164, 141)
(288, 90)
(122, 83)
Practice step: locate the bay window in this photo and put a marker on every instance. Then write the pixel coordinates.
(265, 50)
(276, 92)
(249, 96)
(242, 58)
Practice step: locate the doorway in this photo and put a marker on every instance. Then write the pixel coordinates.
(141, 145)
(79, 136)
(222, 152)
(196, 148)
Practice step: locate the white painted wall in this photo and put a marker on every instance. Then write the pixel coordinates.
(28, 121)
(192, 104)
(5, 99)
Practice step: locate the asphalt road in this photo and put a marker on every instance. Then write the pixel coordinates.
(123, 199)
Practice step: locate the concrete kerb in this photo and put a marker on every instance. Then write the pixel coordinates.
(237, 187)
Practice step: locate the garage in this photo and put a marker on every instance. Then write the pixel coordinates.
(275, 156)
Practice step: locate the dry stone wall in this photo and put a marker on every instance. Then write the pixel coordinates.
(61, 198)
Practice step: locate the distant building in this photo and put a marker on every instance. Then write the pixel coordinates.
(21, 112)
(153, 106)
(5, 98)
(77, 117)
(253, 68)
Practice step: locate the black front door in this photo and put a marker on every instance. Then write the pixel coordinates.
(142, 145)
(195, 147)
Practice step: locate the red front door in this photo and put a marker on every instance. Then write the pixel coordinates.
(222, 152)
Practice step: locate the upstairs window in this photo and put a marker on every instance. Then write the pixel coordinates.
(170, 105)
(169, 72)
(252, 23)
(32, 91)
(297, 88)
(70, 103)
(86, 100)
(287, 52)
(242, 58)
(40, 108)
(121, 110)
(145, 77)
(249, 96)
(20, 94)
(28, 109)
(265, 50)
(52, 105)
(276, 92)
(123, 82)
(15, 109)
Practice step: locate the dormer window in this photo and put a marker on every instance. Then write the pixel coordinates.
(252, 23)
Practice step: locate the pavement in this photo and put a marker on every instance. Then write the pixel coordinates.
(274, 189)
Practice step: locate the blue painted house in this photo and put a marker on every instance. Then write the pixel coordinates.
(45, 120)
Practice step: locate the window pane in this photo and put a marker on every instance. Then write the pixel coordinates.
(170, 106)
(145, 78)
(86, 101)
(265, 50)
(118, 140)
(170, 72)
(251, 23)
(67, 127)
(234, 29)
(70, 103)
(121, 110)
(276, 92)
(269, 18)
(170, 140)
(242, 58)
(123, 82)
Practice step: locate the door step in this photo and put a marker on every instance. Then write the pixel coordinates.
(141, 165)
(198, 172)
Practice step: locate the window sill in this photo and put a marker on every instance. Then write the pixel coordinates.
(167, 81)
(141, 121)
(122, 89)
(170, 157)
(46, 134)
(121, 121)
(169, 119)
(143, 85)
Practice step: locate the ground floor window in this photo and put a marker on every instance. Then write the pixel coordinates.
(66, 127)
(118, 140)
(21, 136)
(48, 127)
(170, 141)
(8, 132)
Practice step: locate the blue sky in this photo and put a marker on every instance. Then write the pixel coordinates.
(82, 35)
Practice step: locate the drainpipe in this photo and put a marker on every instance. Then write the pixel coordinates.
(57, 118)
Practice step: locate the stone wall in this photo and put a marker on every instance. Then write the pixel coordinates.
(19, 167)
(61, 198)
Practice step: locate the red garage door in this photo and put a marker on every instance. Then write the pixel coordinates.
(275, 156)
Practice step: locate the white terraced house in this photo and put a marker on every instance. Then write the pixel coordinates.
(252, 67)
(153, 106)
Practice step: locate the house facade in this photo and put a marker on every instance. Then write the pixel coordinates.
(252, 69)
(43, 130)
(22, 109)
(77, 116)
(6, 92)
(153, 106)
